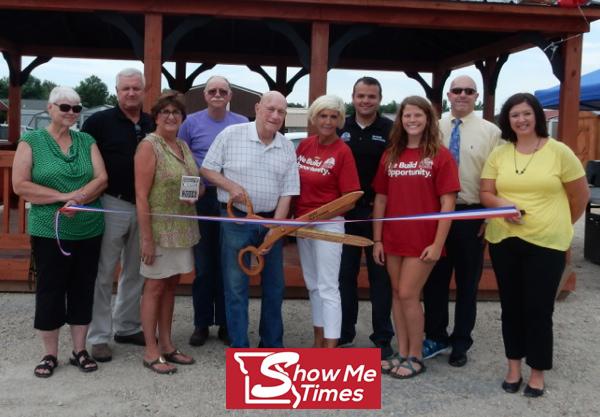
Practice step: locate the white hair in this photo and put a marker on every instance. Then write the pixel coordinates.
(130, 72)
(327, 102)
(63, 93)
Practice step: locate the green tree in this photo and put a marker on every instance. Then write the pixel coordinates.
(296, 105)
(112, 100)
(34, 88)
(4, 87)
(445, 106)
(479, 105)
(93, 91)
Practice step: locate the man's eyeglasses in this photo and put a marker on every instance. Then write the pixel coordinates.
(66, 107)
(167, 113)
(458, 91)
(214, 91)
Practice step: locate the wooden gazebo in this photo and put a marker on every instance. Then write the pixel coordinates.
(414, 36)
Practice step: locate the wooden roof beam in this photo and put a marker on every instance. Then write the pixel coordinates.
(424, 14)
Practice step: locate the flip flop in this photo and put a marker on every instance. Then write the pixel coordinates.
(175, 357)
(159, 361)
(408, 364)
(48, 363)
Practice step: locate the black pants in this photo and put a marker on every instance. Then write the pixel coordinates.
(528, 278)
(380, 289)
(207, 289)
(65, 284)
(464, 255)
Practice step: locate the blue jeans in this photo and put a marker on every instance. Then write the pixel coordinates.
(233, 238)
(207, 290)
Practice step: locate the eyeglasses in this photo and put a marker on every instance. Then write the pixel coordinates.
(458, 91)
(167, 113)
(66, 107)
(214, 91)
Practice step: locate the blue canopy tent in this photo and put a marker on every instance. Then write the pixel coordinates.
(588, 100)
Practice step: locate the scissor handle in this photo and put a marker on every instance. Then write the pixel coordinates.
(259, 258)
(247, 203)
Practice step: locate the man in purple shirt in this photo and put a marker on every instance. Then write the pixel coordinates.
(199, 131)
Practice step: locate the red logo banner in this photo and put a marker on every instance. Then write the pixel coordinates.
(303, 378)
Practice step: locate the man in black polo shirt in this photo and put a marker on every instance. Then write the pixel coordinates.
(117, 132)
(366, 132)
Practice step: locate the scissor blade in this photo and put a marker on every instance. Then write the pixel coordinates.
(310, 233)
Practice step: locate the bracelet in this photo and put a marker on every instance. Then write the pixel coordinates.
(377, 241)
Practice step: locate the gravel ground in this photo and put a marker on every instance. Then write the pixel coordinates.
(124, 388)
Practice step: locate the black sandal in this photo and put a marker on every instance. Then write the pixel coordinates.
(48, 363)
(83, 361)
(409, 364)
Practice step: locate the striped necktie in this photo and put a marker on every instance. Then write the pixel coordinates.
(455, 140)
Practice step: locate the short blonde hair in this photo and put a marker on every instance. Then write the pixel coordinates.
(327, 102)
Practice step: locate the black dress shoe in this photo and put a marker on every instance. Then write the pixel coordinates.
(512, 387)
(223, 335)
(132, 339)
(198, 338)
(533, 392)
(458, 359)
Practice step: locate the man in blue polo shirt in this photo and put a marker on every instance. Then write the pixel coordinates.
(366, 132)
(199, 131)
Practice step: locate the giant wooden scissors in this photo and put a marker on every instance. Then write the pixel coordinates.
(334, 208)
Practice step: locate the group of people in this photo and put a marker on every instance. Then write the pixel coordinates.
(130, 162)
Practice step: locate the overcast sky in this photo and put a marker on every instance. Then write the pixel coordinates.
(525, 71)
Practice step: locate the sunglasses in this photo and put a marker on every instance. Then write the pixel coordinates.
(458, 91)
(66, 107)
(214, 91)
(139, 134)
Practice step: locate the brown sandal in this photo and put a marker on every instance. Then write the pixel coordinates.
(47, 364)
(175, 357)
(83, 361)
(159, 361)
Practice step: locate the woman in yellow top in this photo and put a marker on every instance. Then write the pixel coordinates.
(544, 179)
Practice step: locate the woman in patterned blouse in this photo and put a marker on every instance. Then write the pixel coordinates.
(166, 242)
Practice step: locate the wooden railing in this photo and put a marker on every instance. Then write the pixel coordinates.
(14, 241)
(15, 254)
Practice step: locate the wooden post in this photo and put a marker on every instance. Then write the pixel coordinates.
(281, 79)
(14, 99)
(438, 79)
(319, 58)
(570, 91)
(152, 57)
(180, 80)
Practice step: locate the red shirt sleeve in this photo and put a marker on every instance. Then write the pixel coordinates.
(380, 182)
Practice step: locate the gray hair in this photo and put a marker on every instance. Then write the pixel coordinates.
(130, 72)
(212, 77)
(63, 93)
(327, 102)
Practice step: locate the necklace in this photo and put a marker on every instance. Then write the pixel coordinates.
(522, 171)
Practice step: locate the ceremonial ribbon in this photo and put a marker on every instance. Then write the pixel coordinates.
(483, 213)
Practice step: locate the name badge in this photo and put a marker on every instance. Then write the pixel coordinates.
(190, 188)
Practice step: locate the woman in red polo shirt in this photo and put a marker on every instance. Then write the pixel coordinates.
(416, 175)
(327, 170)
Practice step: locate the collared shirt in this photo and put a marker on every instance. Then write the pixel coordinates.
(117, 141)
(478, 138)
(266, 172)
(367, 146)
(199, 131)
